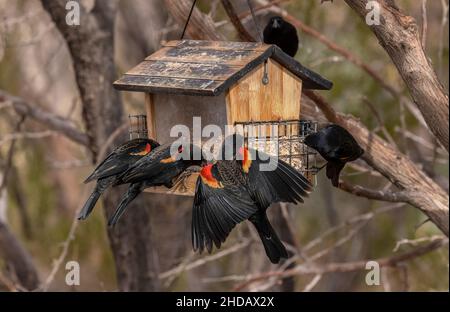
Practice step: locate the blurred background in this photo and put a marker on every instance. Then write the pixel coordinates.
(45, 171)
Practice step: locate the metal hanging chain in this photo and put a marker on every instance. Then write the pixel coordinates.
(187, 21)
(265, 79)
(258, 30)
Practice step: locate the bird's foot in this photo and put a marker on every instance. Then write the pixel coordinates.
(183, 177)
(317, 169)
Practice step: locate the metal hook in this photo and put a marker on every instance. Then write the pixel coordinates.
(265, 79)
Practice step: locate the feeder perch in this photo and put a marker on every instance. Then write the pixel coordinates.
(247, 84)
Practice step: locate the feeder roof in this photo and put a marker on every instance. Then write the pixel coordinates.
(196, 67)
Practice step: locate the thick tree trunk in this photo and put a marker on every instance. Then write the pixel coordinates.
(91, 45)
(399, 36)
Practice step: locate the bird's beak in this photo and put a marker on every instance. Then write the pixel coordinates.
(275, 24)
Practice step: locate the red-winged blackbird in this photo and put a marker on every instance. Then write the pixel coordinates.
(108, 172)
(231, 191)
(155, 169)
(337, 146)
(283, 34)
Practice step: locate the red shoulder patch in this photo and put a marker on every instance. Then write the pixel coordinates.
(208, 178)
(144, 152)
(246, 159)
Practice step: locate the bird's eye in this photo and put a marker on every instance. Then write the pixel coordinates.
(180, 149)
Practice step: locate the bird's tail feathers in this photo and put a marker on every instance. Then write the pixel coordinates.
(274, 248)
(333, 171)
(90, 204)
(130, 195)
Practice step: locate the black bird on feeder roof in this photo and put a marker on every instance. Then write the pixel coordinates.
(158, 168)
(337, 146)
(231, 191)
(109, 171)
(283, 34)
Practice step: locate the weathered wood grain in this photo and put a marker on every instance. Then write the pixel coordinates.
(209, 67)
(398, 35)
(215, 71)
(204, 55)
(167, 85)
(220, 45)
(251, 100)
(150, 110)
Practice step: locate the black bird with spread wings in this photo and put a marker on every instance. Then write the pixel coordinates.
(158, 168)
(231, 191)
(337, 146)
(109, 171)
(283, 34)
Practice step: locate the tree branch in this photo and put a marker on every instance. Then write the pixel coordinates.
(48, 119)
(235, 20)
(423, 192)
(394, 197)
(91, 45)
(391, 261)
(201, 26)
(18, 258)
(398, 35)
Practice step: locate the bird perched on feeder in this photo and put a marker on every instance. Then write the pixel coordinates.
(158, 168)
(283, 34)
(108, 172)
(231, 191)
(337, 146)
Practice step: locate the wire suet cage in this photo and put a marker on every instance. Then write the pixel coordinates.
(137, 126)
(283, 139)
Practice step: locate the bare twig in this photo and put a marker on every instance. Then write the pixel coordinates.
(261, 7)
(27, 135)
(388, 196)
(390, 261)
(380, 121)
(415, 242)
(313, 283)
(50, 120)
(424, 24)
(9, 157)
(65, 249)
(352, 222)
(213, 9)
(200, 25)
(243, 33)
(341, 241)
(205, 260)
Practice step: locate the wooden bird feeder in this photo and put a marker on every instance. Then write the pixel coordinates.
(225, 83)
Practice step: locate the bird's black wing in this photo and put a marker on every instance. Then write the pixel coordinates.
(120, 159)
(216, 211)
(284, 184)
(344, 151)
(149, 165)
